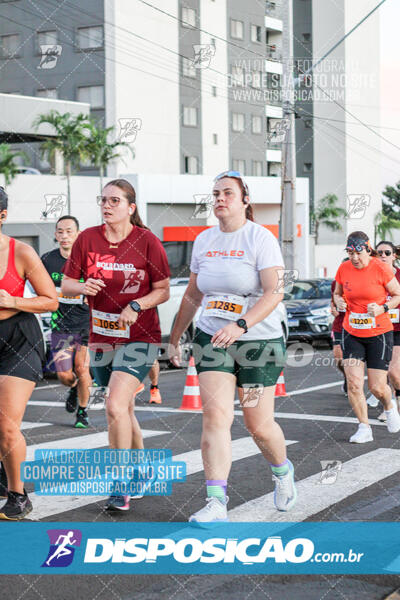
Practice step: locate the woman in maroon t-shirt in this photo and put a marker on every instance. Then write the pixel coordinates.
(126, 275)
(389, 253)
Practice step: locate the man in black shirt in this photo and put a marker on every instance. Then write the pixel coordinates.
(69, 326)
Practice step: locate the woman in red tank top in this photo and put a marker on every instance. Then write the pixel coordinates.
(388, 253)
(21, 352)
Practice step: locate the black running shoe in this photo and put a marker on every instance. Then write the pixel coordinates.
(3, 482)
(82, 419)
(72, 400)
(16, 507)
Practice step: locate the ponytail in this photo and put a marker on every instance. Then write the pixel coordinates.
(249, 212)
(130, 194)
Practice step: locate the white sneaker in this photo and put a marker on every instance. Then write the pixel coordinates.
(382, 416)
(362, 435)
(392, 419)
(285, 494)
(372, 401)
(213, 512)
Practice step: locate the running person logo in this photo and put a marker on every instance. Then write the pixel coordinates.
(330, 471)
(286, 279)
(132, 281)
(62, 547)
(98, 396)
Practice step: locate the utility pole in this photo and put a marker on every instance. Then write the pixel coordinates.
(288, 217)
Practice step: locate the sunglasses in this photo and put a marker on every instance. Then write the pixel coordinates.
(112, 200)
(235, 175)
(385, 252)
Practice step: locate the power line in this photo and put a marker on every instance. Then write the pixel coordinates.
(298, 108)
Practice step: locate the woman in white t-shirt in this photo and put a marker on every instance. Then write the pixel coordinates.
(236, 277)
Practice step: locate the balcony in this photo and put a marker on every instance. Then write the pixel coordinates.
(273, 52)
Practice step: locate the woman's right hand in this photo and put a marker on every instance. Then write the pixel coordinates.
(175, 354)
(341, 304)
(92, 287)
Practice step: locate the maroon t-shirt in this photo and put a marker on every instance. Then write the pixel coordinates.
(128, 272)
(337, 324)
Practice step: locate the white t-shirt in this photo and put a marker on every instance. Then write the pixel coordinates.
(228, 264)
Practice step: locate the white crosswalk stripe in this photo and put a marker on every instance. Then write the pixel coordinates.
(355, 475)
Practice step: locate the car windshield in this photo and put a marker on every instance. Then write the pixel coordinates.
(310, 290)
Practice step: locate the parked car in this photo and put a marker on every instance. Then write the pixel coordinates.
(308, 310)
(28, 170)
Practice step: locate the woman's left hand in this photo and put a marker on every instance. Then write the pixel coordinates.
(225, 337)
(374, 309)
(127, 317)
(6, 300)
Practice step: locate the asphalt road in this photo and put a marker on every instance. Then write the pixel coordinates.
(317, 421)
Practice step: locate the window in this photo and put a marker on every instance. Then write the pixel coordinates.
(214, 90)
(93, 94)
(256, 168)
(188, 17)
(237, 29)
(10, 45)
(237, 75)
(255, 33)
(239, 165)
(238, 122)
(190, 116)
(274, 169)
(256, 124)
(90, 37)
(256, 79)
(49, 93)
(307, 168)
(215, 139)
(188, 68)
(306, 37)
(46, 38)
(191, 165)
(308, 123)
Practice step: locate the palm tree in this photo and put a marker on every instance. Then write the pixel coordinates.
(99, 150)
(327, 213)
(69, 141)
(7, 165)
(383, 225)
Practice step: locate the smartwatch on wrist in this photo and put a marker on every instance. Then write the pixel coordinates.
(242, 323)
(385, 307)
(135, 306)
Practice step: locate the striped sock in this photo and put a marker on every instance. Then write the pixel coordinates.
(280, 470)
(216, 488)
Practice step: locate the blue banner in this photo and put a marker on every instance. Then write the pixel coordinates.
(250, 548)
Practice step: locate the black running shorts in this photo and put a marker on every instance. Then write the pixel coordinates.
(375, 351)
(21, 347)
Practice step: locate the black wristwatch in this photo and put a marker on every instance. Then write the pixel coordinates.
(385, 307)
(242, 323)
(135, 306)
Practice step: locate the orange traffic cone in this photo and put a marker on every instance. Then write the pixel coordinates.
(280, 390)
(191, 394)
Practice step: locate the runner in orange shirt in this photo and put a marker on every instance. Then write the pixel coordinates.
(367, 329)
